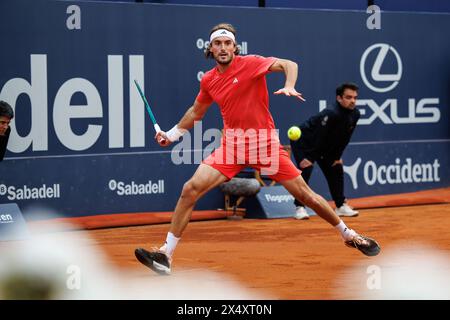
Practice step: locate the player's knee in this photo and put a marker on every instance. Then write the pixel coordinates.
(190, 191)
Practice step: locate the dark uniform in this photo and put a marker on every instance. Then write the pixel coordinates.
(323, 140)
(3, 143)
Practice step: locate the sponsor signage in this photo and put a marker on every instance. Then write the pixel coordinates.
(12, 223)
(270, 202)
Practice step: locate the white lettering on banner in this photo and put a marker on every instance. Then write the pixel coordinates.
(63, 111)
(400, 174)
(6, 218)
(137, 108)
(203, 44)
(115, 98)
(279, 198)
(200, 75)
(417, 112)
(425, 110)
(36, 90)
(133, 188)
(420, 112)
(27, 193)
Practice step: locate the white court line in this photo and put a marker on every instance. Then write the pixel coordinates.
(400, 141)
(98, 154)
(201, 150)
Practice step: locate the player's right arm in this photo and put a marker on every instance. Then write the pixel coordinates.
(195, 113)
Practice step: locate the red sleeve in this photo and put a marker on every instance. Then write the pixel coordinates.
(260, 64)
(203, 95)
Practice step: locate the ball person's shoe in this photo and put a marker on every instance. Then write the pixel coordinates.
(156, 260)
(300, 213)
(366, 245)
(346, 211)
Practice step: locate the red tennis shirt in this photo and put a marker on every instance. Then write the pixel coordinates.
(240, 92)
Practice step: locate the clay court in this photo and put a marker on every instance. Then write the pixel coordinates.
(283, 258)
(258, 259)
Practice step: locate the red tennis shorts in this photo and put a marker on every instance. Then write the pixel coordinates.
(277, 165)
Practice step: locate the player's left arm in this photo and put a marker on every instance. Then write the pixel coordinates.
(290, 69)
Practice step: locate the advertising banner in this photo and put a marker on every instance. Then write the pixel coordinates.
(82, 142)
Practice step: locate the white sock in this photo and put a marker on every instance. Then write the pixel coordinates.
(170, 245)
(345, 231)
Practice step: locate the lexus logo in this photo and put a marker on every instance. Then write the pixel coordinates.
(383, 50)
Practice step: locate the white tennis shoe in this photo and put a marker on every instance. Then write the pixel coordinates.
(301, 214)
(346, 211)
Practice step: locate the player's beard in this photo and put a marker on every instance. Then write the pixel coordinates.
(224, 62)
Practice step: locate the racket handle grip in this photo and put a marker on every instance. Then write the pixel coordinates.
(158, 129)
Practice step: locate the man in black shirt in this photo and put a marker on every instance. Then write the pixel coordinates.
(6, 114)
(324, 138)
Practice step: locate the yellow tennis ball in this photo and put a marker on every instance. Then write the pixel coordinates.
(294, 133)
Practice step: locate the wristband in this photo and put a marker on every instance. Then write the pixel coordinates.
(175, 133)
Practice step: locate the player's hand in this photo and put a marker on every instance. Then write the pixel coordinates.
(290, 92)
(338, 162)
(162, 139)
(305, 163)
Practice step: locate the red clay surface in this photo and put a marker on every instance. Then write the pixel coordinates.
(441, 195)
(284, 258)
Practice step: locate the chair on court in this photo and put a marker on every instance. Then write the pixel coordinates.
(246, 184)
(235, 191)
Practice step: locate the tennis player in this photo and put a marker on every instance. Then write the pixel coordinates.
(238, 85)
